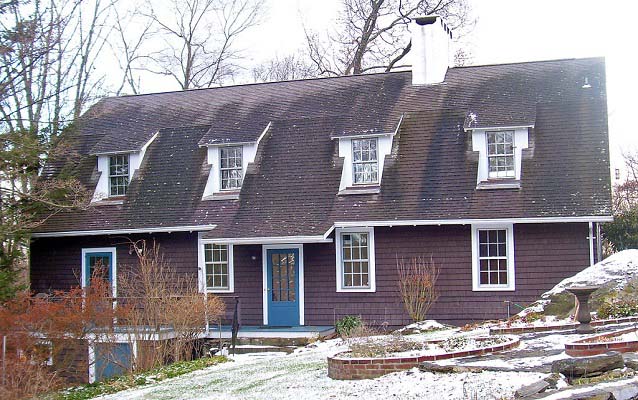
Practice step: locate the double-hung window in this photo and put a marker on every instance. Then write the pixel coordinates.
(118, 174)
(365, 161)
(500, 154)
(493, 263)
(231, 167)
(355, 260)
(218, 267)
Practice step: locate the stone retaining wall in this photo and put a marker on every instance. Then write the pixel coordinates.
(367, 368)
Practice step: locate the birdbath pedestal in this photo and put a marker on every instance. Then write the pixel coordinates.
(583, 315)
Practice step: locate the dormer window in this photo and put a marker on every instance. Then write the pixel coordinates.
(500, 154)
(365, 161)
(118, 175)
(231, 167)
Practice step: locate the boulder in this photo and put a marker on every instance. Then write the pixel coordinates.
(588, 366)
(447, 369)
(549, 382)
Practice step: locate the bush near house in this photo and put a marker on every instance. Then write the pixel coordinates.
(48, 338)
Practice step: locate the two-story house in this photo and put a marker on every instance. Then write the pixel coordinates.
(300, 197)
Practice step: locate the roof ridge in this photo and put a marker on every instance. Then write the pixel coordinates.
(258, 83)
(532, 62)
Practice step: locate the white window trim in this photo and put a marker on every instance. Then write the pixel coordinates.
(384, 148)
(511, 276)
(513, 155)
(372, 183)
(371, 260)
(201, 269)
(302, 296)
(479, 144)
(129, 175)
(113, 252)
(221, 170)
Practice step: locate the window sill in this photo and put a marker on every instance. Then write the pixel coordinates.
(109, 201)
(493, 289)
(499, 184)
(231, 195)
(364, 189)
(356, 290)
(209, 290)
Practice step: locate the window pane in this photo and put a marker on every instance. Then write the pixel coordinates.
(493, 257)
(216, 263)
(355, 266)
(364, 160)
(231, 167)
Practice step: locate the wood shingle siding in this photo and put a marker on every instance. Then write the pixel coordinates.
(545, 254)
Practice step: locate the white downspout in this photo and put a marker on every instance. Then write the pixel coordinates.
(591, 243)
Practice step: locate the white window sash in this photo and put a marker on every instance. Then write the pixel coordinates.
(114, 176)
(237, 150)
(339, 232)
(202, 264)
(504, 173)
(476, 259)
(374, 162)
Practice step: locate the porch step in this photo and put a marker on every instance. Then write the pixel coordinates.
(274, 341)
(249, 349)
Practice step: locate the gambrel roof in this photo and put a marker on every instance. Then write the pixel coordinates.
(292, 187)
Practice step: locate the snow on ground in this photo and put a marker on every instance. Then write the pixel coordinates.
(303, 375)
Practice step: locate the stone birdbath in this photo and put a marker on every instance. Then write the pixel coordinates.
(583, 315)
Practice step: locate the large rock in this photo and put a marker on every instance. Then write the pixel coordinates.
(588, 366)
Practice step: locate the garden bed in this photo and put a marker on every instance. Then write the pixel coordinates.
(345, 366)
(517, 329)
(623, 341)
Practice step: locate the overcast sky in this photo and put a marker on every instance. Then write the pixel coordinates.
(506, 31)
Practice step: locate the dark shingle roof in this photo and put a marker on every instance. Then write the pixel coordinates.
(292, 187)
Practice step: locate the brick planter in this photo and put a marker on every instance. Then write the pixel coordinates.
(345, 368)
(562, 327)
(592, 346)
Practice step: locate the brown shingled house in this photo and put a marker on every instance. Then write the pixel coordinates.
(299, 197)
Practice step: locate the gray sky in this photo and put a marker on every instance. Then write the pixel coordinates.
(506, 31)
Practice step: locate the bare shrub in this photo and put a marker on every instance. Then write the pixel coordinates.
(383, 346)
(417, 285)
(47, 336)
(164, 304)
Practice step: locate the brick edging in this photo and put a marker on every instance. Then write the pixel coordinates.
(589, 347)
(562, 327)
(367, 368)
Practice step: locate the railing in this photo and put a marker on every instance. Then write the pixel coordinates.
(142, 302)
(235, 321)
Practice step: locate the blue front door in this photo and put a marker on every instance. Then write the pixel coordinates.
(98, 265)
(283, 287)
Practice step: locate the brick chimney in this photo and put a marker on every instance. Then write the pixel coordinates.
(431, 46)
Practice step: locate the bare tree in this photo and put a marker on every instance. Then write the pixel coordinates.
(373, 35)
(625, 194)
(92, 28)
(199, 39)
(127, 48)
(283, 69)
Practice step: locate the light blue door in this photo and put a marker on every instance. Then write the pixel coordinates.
(98, 264)
(283, 287)
(112, 359)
